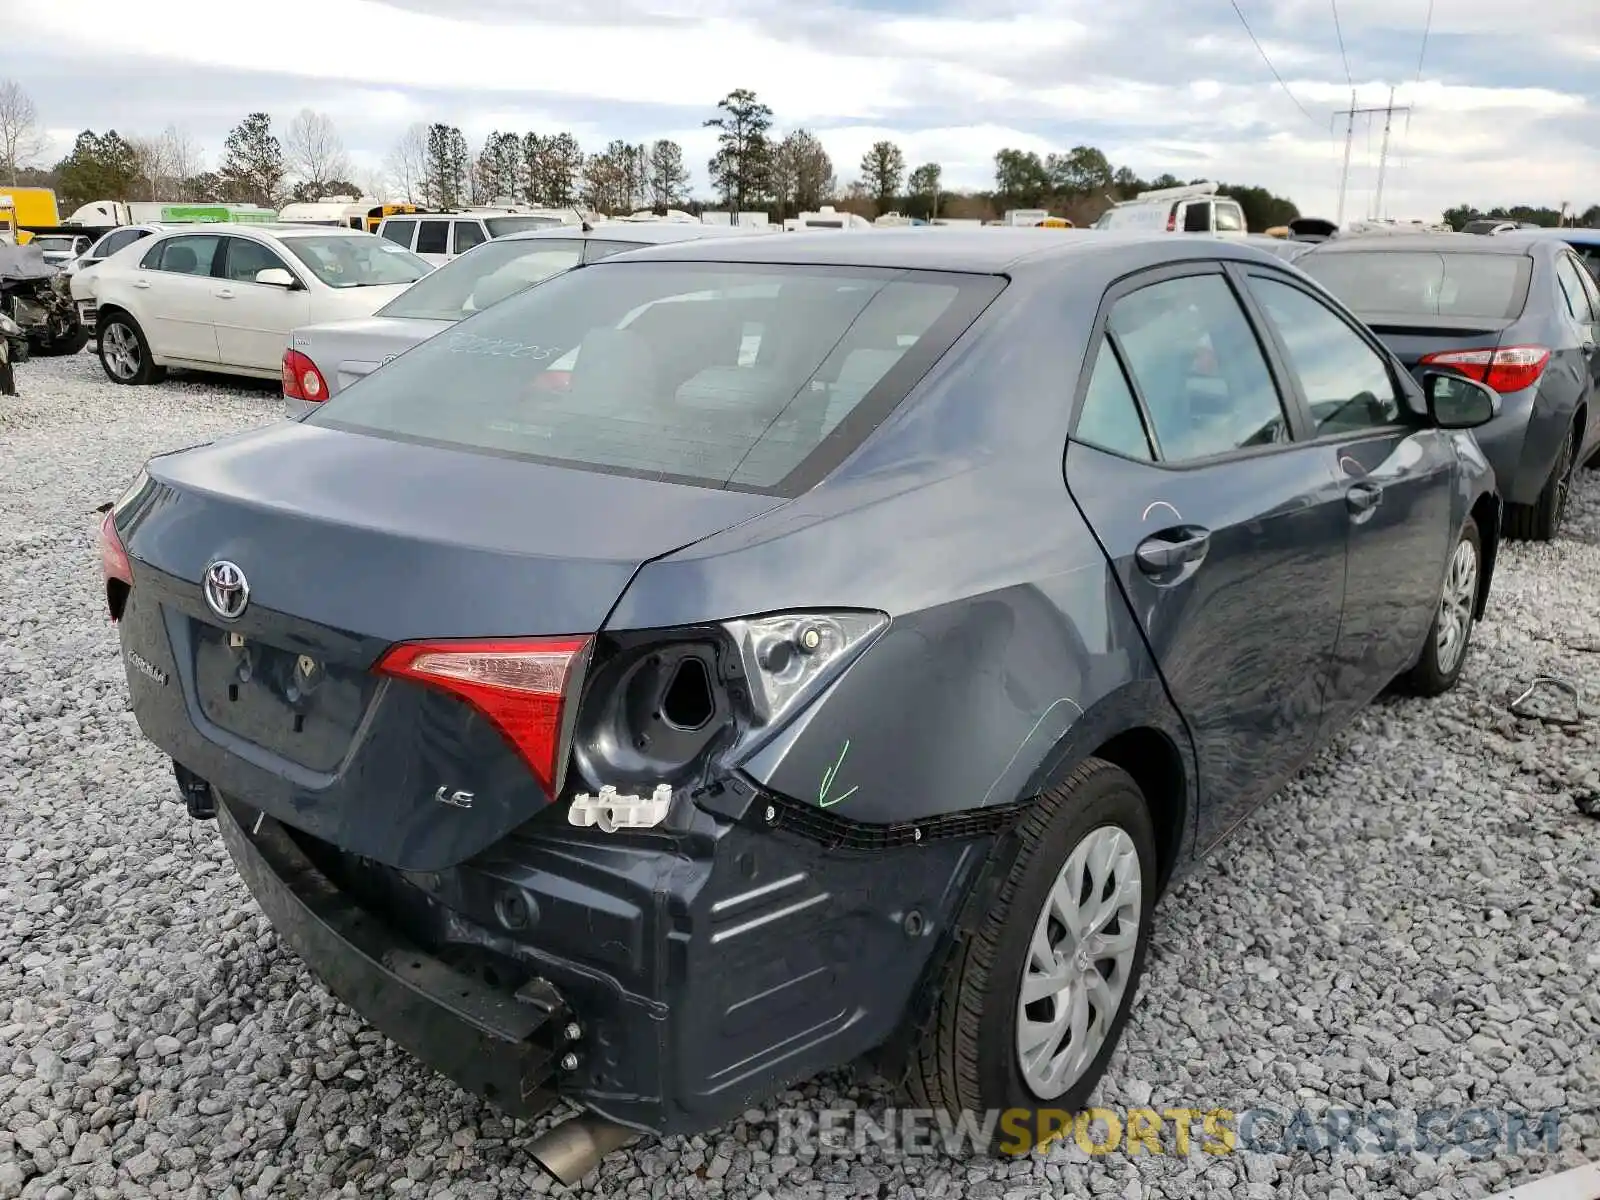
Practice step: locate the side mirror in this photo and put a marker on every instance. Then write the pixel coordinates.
(277, 277)
(1456, 402)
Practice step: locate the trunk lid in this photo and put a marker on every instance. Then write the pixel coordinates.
(344, 351)
(380, 542)
(1410, 337)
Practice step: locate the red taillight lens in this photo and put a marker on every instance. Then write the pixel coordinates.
(1172, 219)
(114, 565)
(301, 379)
(1508, 369)
(521, 686)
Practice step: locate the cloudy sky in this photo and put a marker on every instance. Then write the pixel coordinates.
(1506, 109)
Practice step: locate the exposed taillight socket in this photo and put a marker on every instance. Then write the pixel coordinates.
(114, 566)
(525, 687)
(1505, 369)
(302, 380)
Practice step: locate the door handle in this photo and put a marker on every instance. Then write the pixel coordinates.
(1171, 549)
(141, 283)
(1363, 498)
(223, 293)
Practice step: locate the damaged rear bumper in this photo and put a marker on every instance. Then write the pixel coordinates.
(501, 1045)
(665, 979)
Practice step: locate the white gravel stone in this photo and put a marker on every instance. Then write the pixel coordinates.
(1412, 922)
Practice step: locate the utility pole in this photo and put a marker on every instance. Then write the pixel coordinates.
(1351, 113)
(1344, 175)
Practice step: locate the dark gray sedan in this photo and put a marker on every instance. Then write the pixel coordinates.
(1517, 312)
(737, 657)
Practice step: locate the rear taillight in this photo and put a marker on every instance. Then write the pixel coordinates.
(1508, 369)
(522, 686)
(1172, 220)
(114, 566)
(301, 379)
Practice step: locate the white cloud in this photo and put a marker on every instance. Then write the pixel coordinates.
(951, 87)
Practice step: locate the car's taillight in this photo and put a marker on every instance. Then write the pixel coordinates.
(1508, 369)
(522, 686)
(114, 566)
(1172, 219)
(301, 379)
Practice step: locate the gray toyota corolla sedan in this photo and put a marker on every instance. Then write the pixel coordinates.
(736, 658)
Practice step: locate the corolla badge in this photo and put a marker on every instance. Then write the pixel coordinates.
(227, 590)
(145, 667)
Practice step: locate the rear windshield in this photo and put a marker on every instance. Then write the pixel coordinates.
(748, 376)
(1419, 283)
(492, 272)
(500, 226)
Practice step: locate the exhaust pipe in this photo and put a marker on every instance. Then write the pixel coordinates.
(575, 1147)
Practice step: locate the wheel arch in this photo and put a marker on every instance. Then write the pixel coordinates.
(1486, 512)
(1137, 729)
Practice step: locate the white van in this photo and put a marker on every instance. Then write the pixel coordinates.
(1195, 208)
(439, 237)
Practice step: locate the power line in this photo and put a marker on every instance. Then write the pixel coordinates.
(1339, 33)
(1427, 27)
(1240, 13)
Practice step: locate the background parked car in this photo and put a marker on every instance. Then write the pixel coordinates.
(792, 543)
(81, 269)
(61, 248)
(224, 298)
(1518, 313)
(439, 237)
(322, 360)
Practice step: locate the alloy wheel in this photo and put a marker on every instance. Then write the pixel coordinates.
(119, 347)
(1456, 603)
(1080, 961)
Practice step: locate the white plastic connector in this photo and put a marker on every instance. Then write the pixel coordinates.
(611, 810)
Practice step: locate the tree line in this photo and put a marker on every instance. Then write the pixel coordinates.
(755, 168)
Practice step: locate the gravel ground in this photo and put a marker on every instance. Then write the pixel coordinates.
(1414, 922)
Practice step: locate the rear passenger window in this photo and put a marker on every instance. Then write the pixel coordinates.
(1109, 419)
(1197, 217)
(1196, 362)
(433, 237)
(1346, 383)
(1570, 276)
(400, 232)
(183, 255)
(468, 235)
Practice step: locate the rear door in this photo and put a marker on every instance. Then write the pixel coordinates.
(1226, 530)
(172, 296)
(1398, 477)
(253, 319)
(1583, 299)
(433, 240)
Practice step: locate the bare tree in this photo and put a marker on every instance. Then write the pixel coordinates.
(314, 152)
(22, 137)
(150, 160)
(184, 158)
(407, 163)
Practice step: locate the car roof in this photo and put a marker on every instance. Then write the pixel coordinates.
(1438, 243)
(1580, 236)
(988, 251)
(271, 228)
(657, 233)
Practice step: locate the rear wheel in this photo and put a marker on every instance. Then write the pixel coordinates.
(124, 353)
(1033, 1005)
(1445, 654)
(1541, 520)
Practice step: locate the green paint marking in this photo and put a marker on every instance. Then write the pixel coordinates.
(828, 778)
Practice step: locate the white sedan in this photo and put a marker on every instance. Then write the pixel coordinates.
(224, 297)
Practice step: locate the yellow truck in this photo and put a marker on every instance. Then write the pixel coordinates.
(22, 208)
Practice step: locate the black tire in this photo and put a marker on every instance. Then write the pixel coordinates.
(1437, 671)
(73, 343)
(967, 1060)
(114, 326)
(1541, 520)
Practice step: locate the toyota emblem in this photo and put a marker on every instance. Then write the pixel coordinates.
(227, 590)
